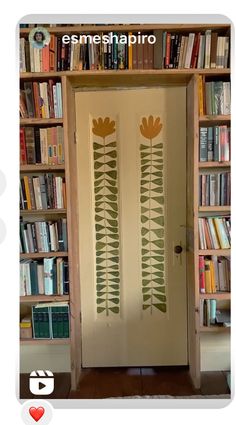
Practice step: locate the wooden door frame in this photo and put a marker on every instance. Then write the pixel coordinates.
(106, 80)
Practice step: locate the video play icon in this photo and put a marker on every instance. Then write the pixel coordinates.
(41, 382)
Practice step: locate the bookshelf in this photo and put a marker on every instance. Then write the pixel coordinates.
(129, 78)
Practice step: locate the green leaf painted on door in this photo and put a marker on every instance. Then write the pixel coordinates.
(106, 217)
(152, 216)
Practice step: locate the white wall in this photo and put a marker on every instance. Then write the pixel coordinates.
(40, 357)
(215, 351)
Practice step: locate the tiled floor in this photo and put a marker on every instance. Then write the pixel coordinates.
(120, 382)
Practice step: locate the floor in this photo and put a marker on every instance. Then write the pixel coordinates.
(120, 382)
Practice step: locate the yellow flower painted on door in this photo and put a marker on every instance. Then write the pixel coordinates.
(152, 215)
(106, 216)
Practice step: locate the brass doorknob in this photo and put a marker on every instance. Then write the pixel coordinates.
(178, 249)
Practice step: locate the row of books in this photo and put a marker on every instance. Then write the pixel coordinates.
(171, 50)
(41, 99)
(43, 236)
(47, 277)
(214, 143)
(214, 274)
(214, 189)
(214, 232)
(210, 315)
(86, 54)
(41, 145)
(42, 192)
(51, 321)
(214, 97)
(193, 50)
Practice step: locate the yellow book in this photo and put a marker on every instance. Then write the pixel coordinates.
(200, 96)
(24, 325)
(27, 192)
(130, 54)
(213, 281)
(208, 276)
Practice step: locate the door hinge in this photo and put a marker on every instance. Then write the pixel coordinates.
(80, 317)
(75, 138)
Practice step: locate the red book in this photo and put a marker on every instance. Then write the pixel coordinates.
(23, 155)
(45, 59)
(50, 99)
(167, 58)
(52, 50)
(202, 275)
(195, 52)
(37, 108)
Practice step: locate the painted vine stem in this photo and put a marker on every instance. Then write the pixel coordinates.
(152, 216)
(106, 218)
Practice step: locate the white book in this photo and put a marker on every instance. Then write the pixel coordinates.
(55, 101)
(26, 241)
(189, 50)
(31, 49)
(222, 281)
(22, 55)
(40, 274)
(27, 278)
(226, 98)
(37, 193)
(72, 56)
(22, 280)
(43, 145)
(52, 236)
(48, 275)
(36, 60)
(207, 49)
(218, 53)
(59, 99)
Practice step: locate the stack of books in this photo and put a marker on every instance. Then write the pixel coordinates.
(214, 143)
(42, 192)
(47, 277)
(214, 189)
(41, 99)
(51, 321)
(41, 145)
(214, 274)
(214, 232)
(43, 236)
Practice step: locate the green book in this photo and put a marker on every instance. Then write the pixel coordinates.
(35, 322)
(66, 322)
(54, 317)
(34, 278)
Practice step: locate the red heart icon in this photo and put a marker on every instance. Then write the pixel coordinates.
(36, 413)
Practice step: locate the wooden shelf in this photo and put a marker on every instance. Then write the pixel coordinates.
(44, 255)
(43, 212)
(40, 121)
(44, 298)
(59, 341)
(212, 118)
(214, 164)
(41, 167)
(130, 72)
(71, 29)
(216, 208)
(218, 252)
(213, 328)
(216, 296)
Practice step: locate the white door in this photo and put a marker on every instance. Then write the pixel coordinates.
(131, 185)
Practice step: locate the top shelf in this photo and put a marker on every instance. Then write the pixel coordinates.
(129, 27)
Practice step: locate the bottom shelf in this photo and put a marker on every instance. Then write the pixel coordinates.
(58, 341)
(214, 328)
